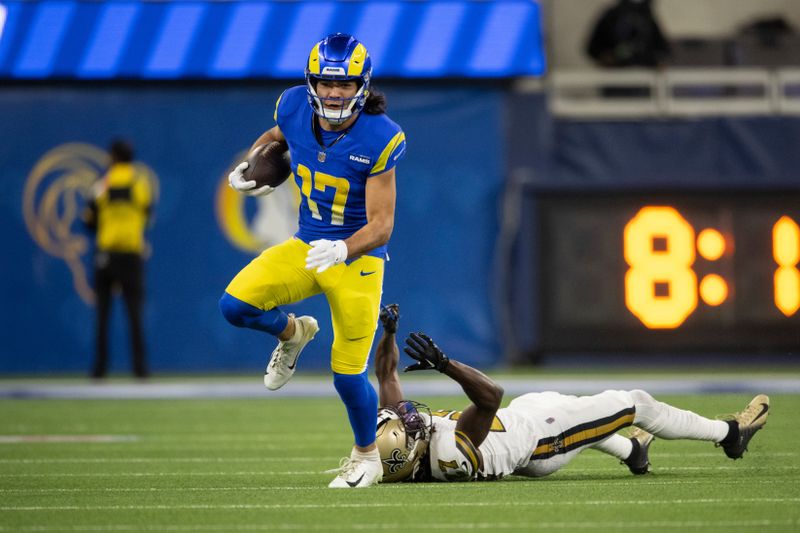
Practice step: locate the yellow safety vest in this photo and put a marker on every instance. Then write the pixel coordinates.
(123, 203)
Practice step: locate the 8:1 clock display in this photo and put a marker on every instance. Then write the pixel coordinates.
(659, 272)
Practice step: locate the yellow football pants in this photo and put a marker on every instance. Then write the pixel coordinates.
(278, 277)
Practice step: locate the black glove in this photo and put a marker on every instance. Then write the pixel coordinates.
(421, 348)
(390, 316)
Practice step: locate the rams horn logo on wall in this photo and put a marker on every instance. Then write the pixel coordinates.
(252, 229)
(56, 191)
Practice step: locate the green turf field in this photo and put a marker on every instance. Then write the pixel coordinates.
(258, 465)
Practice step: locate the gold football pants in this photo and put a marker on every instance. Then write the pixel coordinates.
(278, 277)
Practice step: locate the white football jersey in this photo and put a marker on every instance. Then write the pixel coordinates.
(508, 446)
(537, 434)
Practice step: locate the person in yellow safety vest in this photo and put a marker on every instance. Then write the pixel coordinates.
(119, 214)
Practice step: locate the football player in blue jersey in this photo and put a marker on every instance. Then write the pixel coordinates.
(344, 150)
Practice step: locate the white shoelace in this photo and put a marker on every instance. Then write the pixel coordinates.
(346, 465)
(277, 358)
(279, 354)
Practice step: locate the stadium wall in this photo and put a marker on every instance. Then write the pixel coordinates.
(51, 150)
(448, 251)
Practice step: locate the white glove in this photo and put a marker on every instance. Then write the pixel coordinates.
(324, 254)
(238, 183)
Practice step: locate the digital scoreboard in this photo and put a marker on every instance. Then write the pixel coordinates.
(669, 271)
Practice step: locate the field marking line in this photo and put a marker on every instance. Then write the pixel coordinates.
(156, 434)
(428, 525)
(17, 439)
(164, 474)
(169, 460)
(754, 467)
(386, 486)
(260, 458)
(340, 505)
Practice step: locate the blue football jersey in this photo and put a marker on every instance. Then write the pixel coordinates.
(333, 180)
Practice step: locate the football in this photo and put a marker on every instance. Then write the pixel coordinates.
(268, 164)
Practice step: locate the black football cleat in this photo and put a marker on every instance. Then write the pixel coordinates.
(390, 317)
(748, 422)
(639, 462)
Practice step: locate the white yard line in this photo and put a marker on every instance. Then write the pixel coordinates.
(261, 458)
(741, 468)
(16, 439)
(384, 526)
(401, 505)
(164, 474)
(172, 460)
(393, 486)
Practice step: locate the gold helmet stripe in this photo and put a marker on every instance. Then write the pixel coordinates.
(313, 60)
(357, 60)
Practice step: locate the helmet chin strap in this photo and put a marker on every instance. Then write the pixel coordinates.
(420, 447)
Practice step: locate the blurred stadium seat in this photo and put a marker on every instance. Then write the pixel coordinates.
(698, 52)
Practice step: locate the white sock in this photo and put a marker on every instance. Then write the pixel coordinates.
(667, 422)
(616, 445)
(372, 455)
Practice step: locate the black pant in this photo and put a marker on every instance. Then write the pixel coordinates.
(124, 271)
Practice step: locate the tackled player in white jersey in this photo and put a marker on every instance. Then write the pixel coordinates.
(537, 434)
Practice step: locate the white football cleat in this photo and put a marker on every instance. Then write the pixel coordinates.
(283, 362)
(356, 473)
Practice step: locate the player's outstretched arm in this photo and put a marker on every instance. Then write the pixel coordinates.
(485, 393)
(386, 357)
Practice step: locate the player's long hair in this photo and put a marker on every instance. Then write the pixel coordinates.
(376, 102)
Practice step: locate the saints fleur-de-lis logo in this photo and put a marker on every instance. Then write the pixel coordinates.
(56, 191)
(558, 445)
(396, 461)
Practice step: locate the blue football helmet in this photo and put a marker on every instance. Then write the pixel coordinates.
(338, 57)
